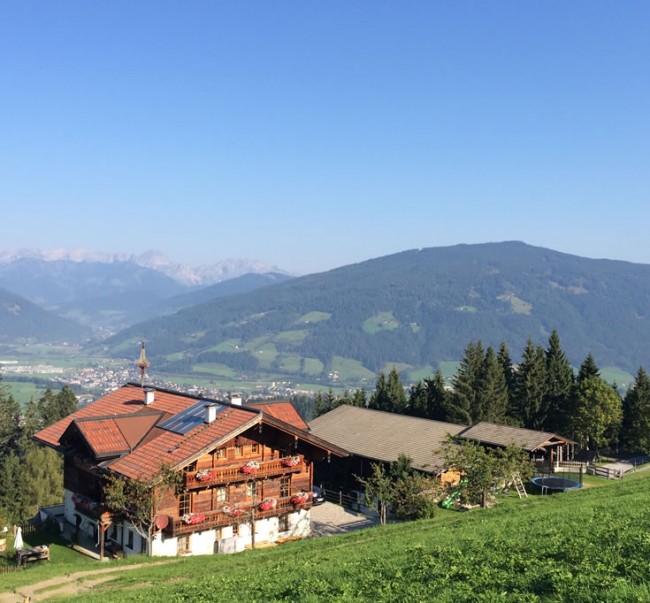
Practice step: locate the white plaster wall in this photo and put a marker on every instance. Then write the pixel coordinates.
(164, 547)
(202, 543)
(300, 523)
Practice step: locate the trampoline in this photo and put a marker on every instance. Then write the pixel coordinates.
(555, 484)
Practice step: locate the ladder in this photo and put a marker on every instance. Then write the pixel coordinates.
(519, 485)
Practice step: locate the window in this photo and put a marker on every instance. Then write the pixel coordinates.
(183, 544)
(285, 486)
(251, 489)
(184, 503)
(255, 448)
(239, 450)
(283, 523)
(220, 453)
(129, 539)
(221, 494)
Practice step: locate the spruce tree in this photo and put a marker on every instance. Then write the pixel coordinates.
(588, 368)
(531, 387)
(418, 404)
(559, 381)
(437, 398)
(503, 356)
(635, 432)
(493, 394)
(9, 421)
(389, 394)
(465, 404)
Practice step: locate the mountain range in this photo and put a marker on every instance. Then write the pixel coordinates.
(111, 291)
(414, 310)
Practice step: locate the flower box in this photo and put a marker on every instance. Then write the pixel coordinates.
(299, 499)
(204, 475)
(268, 504)
(233, 511)
(250, 467)
(290, 461)
(193, 518)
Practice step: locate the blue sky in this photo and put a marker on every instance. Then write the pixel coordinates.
(312, 135)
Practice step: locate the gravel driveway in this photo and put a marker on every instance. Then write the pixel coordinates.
(328, 519)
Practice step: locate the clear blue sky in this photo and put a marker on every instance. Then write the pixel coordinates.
(317, 134)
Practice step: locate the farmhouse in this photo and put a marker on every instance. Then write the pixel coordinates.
(247, 470)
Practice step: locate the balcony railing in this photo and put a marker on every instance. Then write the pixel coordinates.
(243, 514)
(233, 473)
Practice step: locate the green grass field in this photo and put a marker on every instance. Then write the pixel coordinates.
(580, 546)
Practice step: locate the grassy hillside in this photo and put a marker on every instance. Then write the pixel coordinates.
(24, 321)
(589, 545)
(416, 310)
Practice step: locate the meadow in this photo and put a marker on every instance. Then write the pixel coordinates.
(581, 546)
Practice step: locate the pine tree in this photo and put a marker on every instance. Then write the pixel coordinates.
(503, 356)
(531, 387)
(559, 382)
(465, 401)
(9, 421)
(437, 398)
(418, 404)
(635, 432)
(588, 368)
(493, 393)
(389, 394)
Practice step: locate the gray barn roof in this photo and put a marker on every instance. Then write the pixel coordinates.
(503, 435)
(383, 436)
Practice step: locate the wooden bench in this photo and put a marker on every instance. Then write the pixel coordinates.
(37, 553)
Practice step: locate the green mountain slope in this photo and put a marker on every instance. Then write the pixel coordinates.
(21, 320)
(413, 309)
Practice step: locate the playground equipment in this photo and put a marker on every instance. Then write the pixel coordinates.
(550, 483)
(449, 501)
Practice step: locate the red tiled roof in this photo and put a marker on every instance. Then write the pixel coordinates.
(110, 436)
(285, 411)
(127, 399)
(174, 449)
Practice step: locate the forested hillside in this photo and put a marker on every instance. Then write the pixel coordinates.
(22, 320)
(413, 310)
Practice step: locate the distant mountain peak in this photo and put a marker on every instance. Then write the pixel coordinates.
(207, 274)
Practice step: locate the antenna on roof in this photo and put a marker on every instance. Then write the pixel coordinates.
(143, 364)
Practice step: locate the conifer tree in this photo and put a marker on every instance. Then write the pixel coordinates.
(493, 393)
(9, 421)
(389, 394)
(635, 432)
(465, 401)
(588, 368)
(559, 382)
(437, 398)
(418, 405)
(531, 387)
(503, 356)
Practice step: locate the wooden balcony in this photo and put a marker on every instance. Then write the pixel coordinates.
(219, 519)
(233, 473)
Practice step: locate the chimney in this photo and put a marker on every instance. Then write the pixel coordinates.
(149, 395)
(210, 413)
(236, 399)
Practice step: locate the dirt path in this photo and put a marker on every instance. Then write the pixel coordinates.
(69, 585)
